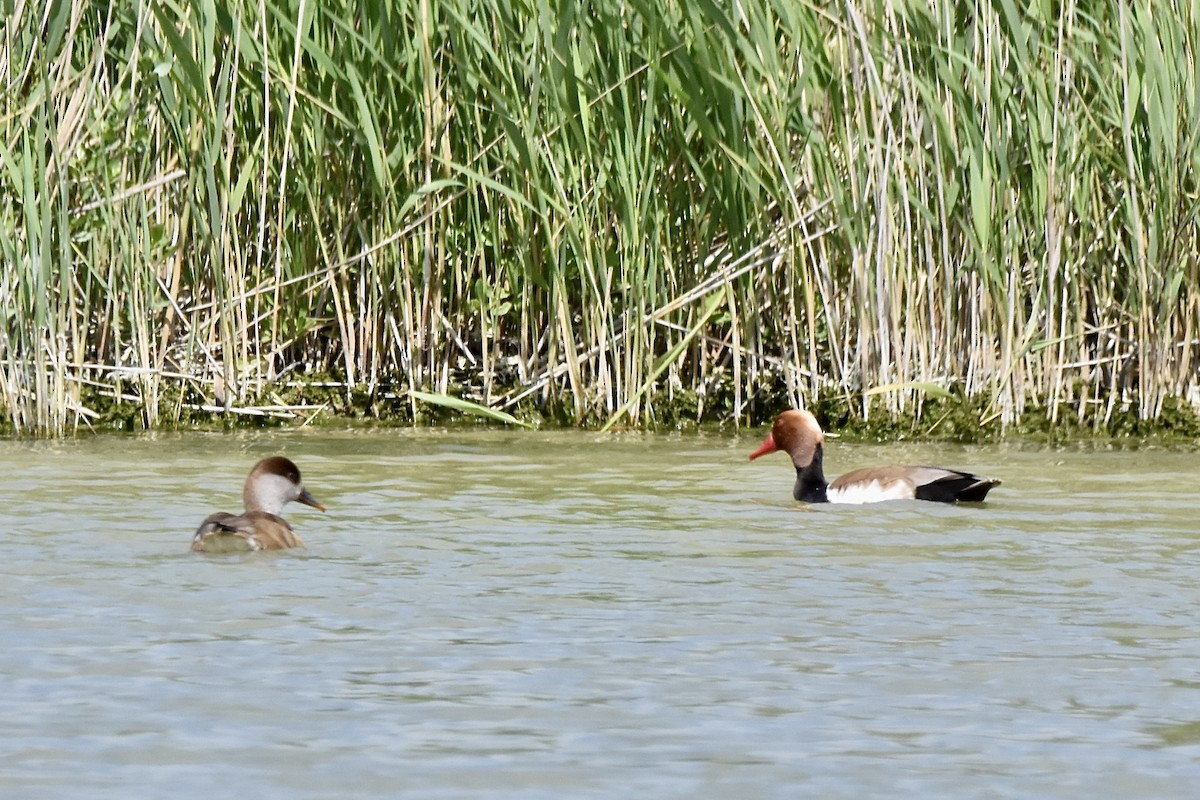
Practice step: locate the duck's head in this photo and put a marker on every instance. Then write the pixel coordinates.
(796, 433)
(273, 483)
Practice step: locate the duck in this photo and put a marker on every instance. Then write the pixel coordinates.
(797, 433)
(272, 483)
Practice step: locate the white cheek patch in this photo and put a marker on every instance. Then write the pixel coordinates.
(272, 492)
(872, 492)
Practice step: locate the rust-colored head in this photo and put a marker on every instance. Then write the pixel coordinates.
(795, 433)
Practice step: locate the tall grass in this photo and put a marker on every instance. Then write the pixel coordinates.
(608, 212)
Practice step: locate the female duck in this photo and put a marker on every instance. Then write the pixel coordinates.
(272, 484)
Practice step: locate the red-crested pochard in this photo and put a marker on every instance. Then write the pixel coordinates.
(798, 434)
(273, 483)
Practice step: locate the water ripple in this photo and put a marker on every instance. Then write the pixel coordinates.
(547, 615)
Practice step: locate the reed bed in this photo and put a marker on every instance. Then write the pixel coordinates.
(619, 212)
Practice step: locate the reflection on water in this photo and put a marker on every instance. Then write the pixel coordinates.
(540, 615)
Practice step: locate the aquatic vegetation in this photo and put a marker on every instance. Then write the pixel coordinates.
(624, 213)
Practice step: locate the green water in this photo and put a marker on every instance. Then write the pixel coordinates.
(548, 615)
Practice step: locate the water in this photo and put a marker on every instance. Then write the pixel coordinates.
(549, 615)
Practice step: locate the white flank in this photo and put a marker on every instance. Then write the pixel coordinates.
(873, 492)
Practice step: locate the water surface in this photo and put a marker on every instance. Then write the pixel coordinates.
(546, 615)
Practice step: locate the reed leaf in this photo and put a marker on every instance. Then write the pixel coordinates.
(467, 407)
(206, 200)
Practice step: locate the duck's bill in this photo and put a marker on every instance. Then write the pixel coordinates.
(768, 446)
(309, 500)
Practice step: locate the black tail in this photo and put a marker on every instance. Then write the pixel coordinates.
(959, 487)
